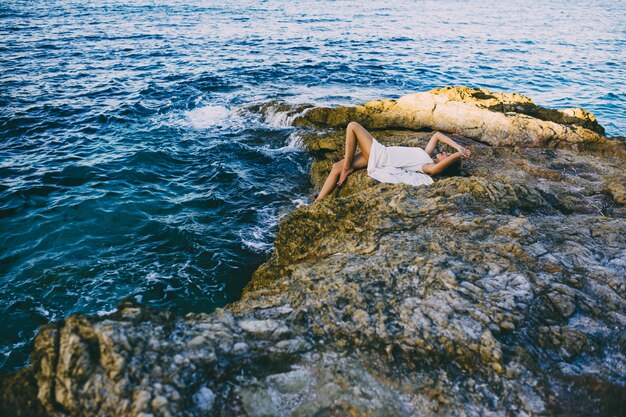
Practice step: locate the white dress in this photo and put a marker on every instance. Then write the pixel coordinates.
(398, 164)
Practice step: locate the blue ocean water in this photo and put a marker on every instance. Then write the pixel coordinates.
(131, 167)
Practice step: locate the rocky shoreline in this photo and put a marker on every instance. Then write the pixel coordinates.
(498, 292)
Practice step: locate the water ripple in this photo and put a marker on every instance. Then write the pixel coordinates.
(131, 165)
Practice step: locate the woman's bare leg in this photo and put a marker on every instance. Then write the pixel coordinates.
(355, 133)
(359, 162)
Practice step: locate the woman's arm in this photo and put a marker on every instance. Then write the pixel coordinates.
(440, 137)
(436, 168)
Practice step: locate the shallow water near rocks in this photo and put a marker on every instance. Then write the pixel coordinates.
(129, 165)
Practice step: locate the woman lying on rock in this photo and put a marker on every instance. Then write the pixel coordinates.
(391, 164)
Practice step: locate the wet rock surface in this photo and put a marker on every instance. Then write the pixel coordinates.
(498, 292)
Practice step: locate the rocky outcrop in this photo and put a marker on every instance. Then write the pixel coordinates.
(498, 119)
(498, 292)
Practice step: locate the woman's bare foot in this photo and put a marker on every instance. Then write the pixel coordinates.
(343, 175)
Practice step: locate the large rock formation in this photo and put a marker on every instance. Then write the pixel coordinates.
(499, 119)
(499, 292)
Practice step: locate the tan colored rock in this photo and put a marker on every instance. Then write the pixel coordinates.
(498, 119)
(497, 292)
(617, 190)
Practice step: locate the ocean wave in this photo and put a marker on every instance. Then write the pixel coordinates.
(295, 141)
(208, 116)
(164, 143)
(276, 116)
(259, 238)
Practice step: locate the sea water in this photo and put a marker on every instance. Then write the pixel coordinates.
(132, 167)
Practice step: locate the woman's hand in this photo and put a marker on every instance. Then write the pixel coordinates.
(465, 153)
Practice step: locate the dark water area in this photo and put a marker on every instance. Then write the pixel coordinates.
(130, 167)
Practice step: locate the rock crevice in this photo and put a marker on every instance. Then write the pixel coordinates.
(497, 292)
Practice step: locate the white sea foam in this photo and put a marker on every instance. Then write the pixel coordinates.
(299, 202)
(152, 277)
(106, 312)
(208, 116)
(295, 141)
(279, 119)
(282, 118)
(259, 238)
(257, 246)
(43, 311)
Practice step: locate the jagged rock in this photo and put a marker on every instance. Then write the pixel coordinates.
(498, 292)
(617, 190)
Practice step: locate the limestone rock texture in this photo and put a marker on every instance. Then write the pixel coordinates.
(498, 119)
(500, 292)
